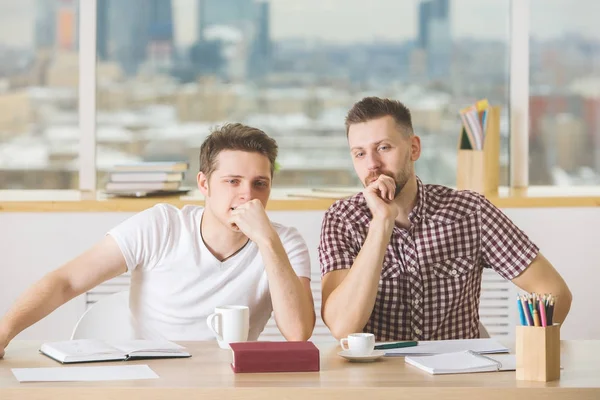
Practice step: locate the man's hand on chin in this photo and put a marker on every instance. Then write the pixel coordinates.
(251, 219)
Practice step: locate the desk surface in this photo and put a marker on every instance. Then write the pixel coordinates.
(208, 375)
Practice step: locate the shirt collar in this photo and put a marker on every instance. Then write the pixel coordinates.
(418, 212)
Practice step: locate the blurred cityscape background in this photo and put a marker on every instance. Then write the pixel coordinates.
(169, 70)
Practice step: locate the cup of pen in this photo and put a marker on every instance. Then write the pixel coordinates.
(537, 341)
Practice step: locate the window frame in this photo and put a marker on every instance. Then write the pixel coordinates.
(518, 135)
(87, 94)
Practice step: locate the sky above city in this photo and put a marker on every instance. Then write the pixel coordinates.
(348, 21)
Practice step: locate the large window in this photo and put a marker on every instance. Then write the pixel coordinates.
(564, 102)
(38, 94)
(169, 70)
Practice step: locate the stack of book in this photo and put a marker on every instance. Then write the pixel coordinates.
(146, 177)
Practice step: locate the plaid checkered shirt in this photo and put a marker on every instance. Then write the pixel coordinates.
(431, 276)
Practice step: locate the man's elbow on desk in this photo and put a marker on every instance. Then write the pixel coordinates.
(340, 329)
(563, 305)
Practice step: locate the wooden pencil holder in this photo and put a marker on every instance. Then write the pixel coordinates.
(479, 170)
(538, 353)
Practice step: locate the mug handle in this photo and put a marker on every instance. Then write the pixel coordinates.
(342, 341)
(216, 328)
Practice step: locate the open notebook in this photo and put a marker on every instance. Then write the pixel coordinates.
(90, 350)
(463, 362)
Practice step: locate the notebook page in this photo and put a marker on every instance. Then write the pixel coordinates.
(483, 346)
(81, 347)
(159, 346)
(508, 361)
(452, 363)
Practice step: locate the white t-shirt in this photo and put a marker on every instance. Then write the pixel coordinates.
(176, 282)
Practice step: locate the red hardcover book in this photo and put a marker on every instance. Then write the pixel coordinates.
(275, 357)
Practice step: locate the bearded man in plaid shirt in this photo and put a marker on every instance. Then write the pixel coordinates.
(403, 259)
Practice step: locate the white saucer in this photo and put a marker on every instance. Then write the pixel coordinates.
(368, 358)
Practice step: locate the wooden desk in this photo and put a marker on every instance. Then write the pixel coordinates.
(300, 199)
(207, 375)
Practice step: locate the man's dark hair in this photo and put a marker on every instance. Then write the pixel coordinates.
(235, 137)
(371, 108)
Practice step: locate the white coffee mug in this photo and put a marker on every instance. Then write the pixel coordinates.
(229, 324)
(359, 344)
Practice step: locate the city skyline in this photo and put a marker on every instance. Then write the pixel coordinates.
(289, 20)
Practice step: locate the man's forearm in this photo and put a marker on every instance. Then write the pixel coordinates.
(34, 304)
(292, 305)
(349, 307)
(541, 277)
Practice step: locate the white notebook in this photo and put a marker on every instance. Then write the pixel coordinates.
(429, 347)
(89, 350)
(463, 362)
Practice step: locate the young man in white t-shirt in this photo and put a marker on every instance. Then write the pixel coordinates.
(185, 262)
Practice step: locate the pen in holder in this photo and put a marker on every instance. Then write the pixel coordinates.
(538, 353)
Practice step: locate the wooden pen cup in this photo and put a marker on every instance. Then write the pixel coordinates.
(479, 170)
(538, 353)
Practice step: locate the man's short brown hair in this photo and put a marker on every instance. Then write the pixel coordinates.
(370, 108)
(235, 137)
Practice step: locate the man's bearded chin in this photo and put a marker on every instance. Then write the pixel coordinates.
(373, 177)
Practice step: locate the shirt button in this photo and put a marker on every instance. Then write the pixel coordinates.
(418, 331)
(412, 269)
(454, 272)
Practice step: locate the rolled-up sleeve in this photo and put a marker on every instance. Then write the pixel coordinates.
(505, 247)
(336, 245)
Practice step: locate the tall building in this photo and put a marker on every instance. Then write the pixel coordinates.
(238, 14)
(102, 31)
(160, 46)
(45, 24)
(246, 22)
(126, 34)
(56, 24)
(434, 37)
(260, 57)
(424, 16)
(66, 26)
(139, 31)
(160, 19)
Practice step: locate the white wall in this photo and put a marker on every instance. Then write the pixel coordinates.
(33, 244)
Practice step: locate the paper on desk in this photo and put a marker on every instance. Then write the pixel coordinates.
(84, 374)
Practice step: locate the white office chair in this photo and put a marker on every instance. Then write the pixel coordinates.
(483, 333)
(108, 319)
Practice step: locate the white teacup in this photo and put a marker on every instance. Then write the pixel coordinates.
(359, 344)
(229, 324)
